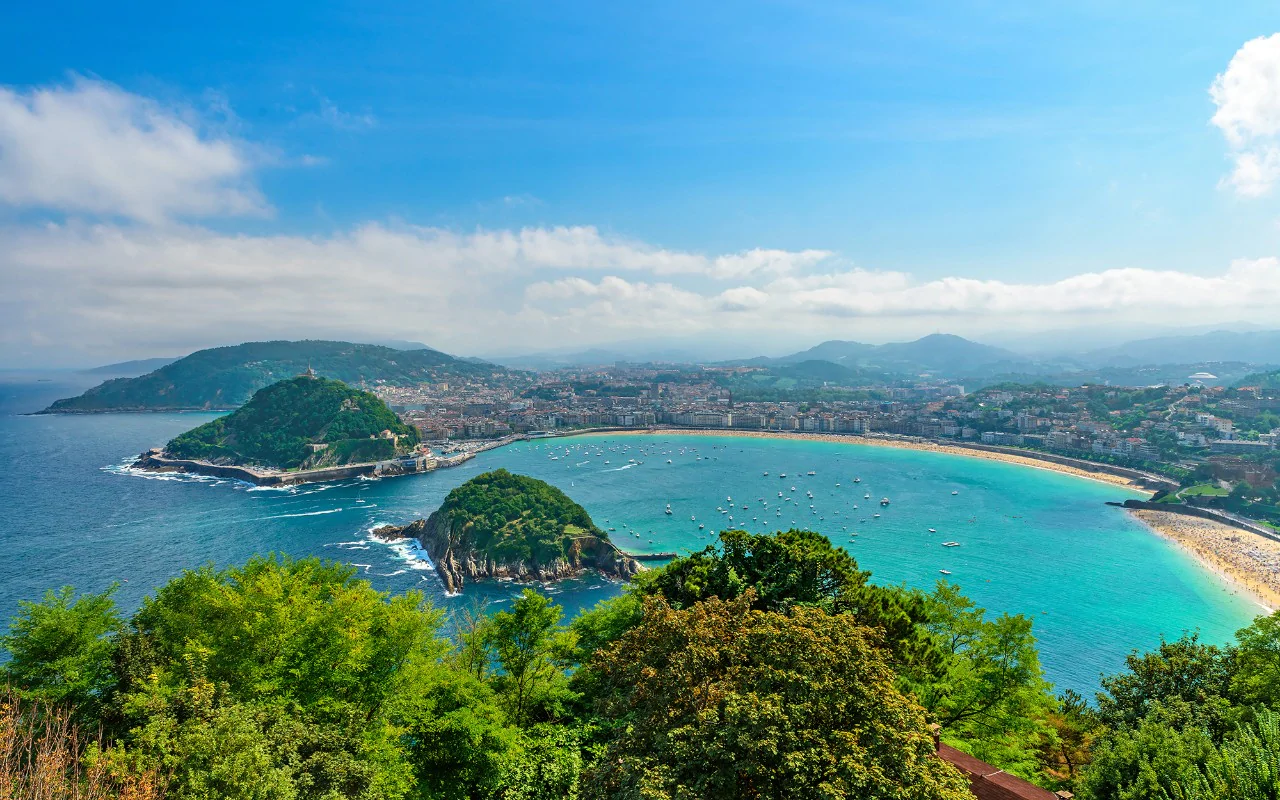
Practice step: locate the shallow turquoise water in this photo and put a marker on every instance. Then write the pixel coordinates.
(1031, 541)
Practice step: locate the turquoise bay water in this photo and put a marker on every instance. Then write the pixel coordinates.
(1031, 541)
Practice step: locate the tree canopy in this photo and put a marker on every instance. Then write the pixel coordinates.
(276, 426)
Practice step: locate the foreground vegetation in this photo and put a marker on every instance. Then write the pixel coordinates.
(766, 666)
(281, 423)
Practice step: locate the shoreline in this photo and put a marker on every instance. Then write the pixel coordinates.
(872, 441)
(1247, 563)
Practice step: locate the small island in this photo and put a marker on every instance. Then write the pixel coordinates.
(302, 429)
(502, 525)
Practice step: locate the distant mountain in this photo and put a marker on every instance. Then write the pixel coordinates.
(401, 344)
(595, 357)
(130, 369)
(300, 422)
(226, 377)
(946, 354)
(1254, 347)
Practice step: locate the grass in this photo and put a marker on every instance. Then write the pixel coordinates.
(1204, 490)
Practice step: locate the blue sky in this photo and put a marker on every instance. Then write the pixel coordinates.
(1024, 144)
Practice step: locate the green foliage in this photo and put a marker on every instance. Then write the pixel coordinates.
(277, 425)
(1247, 765)
(1190, 681)
(1256, 663)
(724, 701)
(990, 697)
(1146, 761)
(510, 517)
(60, 649)
(795, 569)
(533, 651)
(226, 377)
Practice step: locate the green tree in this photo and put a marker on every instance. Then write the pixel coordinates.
(534, 652)
(60, 649)
(723, 701)
(1191, 681)
(1146, 761)
(991, 697)
(1256, 668)
(795, 569)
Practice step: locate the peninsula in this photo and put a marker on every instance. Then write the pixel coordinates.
(502, 525)
(299, 429)
(223, 378)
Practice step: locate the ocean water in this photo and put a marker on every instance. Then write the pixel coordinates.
(1031, 541)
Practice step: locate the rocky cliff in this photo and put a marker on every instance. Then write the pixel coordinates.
(457, 559)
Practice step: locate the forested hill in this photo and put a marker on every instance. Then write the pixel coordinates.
(226, 377)
(279, 425)
(500, 525)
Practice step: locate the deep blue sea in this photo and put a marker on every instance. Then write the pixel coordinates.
(1031, 541)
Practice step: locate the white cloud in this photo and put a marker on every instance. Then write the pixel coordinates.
(129, 290)
(91, 147)
(1247, 96)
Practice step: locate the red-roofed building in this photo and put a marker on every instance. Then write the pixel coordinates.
(990, 783)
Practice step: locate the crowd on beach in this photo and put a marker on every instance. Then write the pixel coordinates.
(1249, 561)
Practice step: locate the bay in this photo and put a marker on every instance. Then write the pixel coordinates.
(1032, 542)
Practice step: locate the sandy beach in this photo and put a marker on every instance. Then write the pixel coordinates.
(1248, 562)
(874, 441)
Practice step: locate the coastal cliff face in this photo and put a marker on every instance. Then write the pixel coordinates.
(457, 559)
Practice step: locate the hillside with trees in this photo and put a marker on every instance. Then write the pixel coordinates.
(502, 525)
(302, 422)
(765, 666)
(226, 377)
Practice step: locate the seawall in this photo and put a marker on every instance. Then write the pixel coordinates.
(1203, 513)
(153, 460)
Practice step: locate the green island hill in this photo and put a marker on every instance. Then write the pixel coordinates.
(301, 423)
(226, 377)
(502, 525)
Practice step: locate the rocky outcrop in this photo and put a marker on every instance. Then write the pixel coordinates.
(457, 560)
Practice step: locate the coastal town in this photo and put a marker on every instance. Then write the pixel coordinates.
(1214, 440)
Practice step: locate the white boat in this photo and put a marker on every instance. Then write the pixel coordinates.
(950, 544)
(782, 474)
(875, 516)
(811, 472)
(945, 571)
(857, 480)
(884, 501)
(933, 530)
(700, 527)
(793, 488)
(668, 511)
(766, 474)
(954, 493)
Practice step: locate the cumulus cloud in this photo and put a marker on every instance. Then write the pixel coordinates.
(89, 146)
(132, 289)
(1247, 96)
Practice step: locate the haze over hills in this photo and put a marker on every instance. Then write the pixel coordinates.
(130, 369)
(1254, 347)
(226, 377)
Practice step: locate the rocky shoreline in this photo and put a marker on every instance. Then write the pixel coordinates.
(457, 561)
